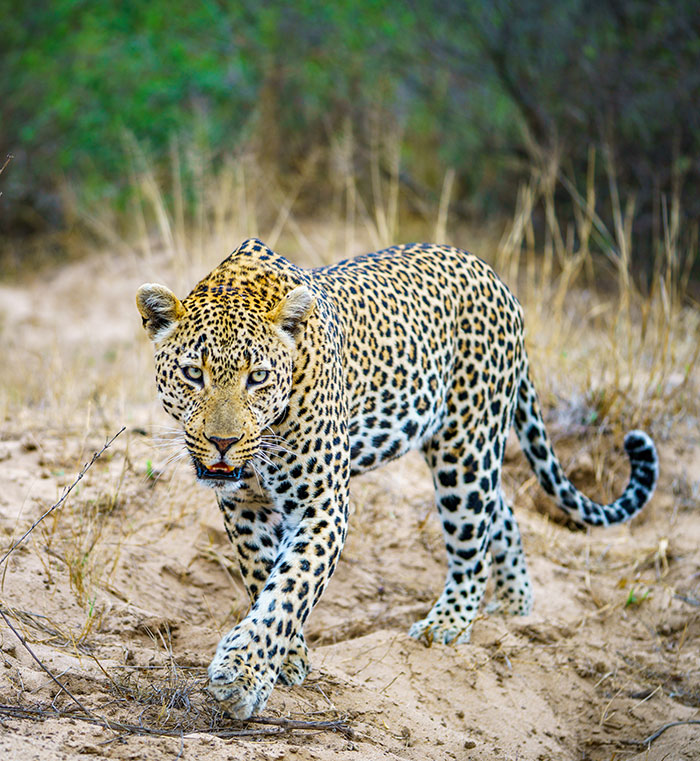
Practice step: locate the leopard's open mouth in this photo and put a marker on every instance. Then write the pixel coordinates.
(219, 472)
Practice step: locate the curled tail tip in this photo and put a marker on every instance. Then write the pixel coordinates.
(644, 461)
(640, 447)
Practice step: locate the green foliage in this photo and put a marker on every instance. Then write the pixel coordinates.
(485, 87)
(623, 75)
(82, 73)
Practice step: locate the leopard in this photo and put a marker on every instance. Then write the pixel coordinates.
(287, 381)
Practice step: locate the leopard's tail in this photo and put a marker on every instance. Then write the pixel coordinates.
(644, 464)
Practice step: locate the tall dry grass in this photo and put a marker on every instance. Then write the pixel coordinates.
(189, 217)
(619, 338)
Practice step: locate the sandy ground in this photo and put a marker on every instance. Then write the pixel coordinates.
(123, 592)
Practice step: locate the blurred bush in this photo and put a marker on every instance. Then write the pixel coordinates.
(490, 88)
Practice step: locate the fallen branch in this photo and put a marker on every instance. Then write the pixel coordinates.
(34, 620)
(334, 724)
(67, 491)
(278, 726)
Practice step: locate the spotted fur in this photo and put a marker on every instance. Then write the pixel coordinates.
(289, 381)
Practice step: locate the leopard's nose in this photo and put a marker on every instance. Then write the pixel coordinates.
(222, 444)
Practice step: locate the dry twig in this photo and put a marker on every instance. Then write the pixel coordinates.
(62, 687)
(80, 475)
(16, 544)
(649, 740)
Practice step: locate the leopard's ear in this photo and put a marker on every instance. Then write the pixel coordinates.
(160, 310)
(293, 309)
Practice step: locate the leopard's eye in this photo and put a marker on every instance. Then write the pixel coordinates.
(193, 374)
(257, 377)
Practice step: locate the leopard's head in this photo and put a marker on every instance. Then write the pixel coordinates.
(224, 368)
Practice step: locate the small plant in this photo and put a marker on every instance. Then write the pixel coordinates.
(636, 597)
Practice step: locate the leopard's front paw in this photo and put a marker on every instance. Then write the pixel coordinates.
(239, 689)
(239, 679)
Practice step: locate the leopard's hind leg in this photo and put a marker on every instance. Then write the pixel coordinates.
(512, 582)
(465, 455)
(466, 474)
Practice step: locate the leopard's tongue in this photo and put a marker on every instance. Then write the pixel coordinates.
(220, 467)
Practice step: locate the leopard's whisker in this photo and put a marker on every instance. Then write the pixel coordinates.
(275, 450)
(275, 435)
(268, 444)
(257, 477)
(267, 460)
(175, 457)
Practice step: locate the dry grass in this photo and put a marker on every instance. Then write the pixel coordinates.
(629, 354)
